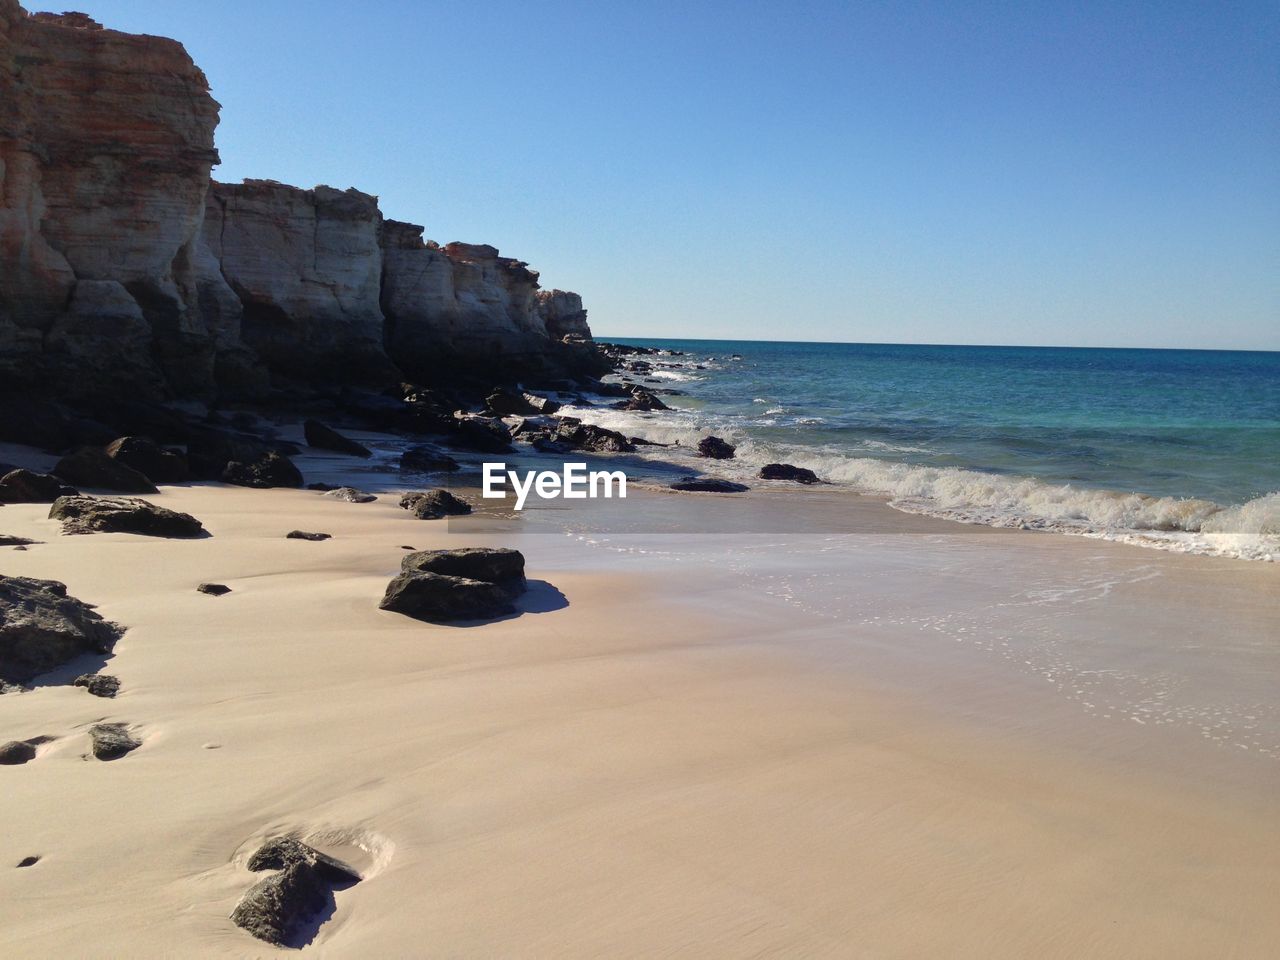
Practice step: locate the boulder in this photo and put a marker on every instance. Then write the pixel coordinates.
(98, 684)
(350, 495)
(498, 565)
(587, 436)
(543, 405)
(709, 485)
(305, 535)
(715, 449)
(425, 459)
(111, 741)
(16, 752)
(210, 449)
(42, 628)
(149, 458)
(326, 438)
(91, 467)
(270, 470)
(508, 403)
(283, 852)
(214, 589)
(785, 471)
(437, 598)
(434, 504)
(278, 908)
(26, 486)
(81, 514)
(480, 434)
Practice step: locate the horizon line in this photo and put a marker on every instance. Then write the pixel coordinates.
(611, 338)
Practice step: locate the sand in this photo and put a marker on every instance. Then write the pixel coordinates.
(658, 759)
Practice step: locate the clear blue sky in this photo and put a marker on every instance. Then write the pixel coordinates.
(1053, 173)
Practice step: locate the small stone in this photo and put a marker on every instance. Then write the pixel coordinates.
(112, 740)
(28, 861)
(351, 495)
(306, 535)
(98, 684)
(214, 589)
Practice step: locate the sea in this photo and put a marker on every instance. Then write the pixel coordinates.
(1174, 449)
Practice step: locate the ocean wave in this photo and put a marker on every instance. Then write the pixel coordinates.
(1248, 531)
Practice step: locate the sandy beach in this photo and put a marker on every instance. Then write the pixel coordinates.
(666, 754)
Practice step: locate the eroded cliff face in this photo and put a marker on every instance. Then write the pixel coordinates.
(125, 267)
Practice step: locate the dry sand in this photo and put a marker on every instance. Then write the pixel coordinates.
(663, 767)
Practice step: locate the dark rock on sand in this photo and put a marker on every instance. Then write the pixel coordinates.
(214, 589)
(785, 471)
(306, 535)
(278, 908)
(350, 495)
(28, 861)
(269, 470)
(111, 741)
(434, 504)
(326, 438)
(498, 565)
(426, 459)
(27, 486)
(149, 458)
(16, 752)
(83, 514)
(715, 449)
(98, 684)
(91, 467)
(709, 485)
(42, 628)
(439, 599)
(10, 541)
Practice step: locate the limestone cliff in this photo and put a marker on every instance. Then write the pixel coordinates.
(123, 266)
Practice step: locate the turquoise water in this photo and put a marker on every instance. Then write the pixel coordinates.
(1178, 446)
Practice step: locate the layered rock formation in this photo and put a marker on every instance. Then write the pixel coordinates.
(124, 267)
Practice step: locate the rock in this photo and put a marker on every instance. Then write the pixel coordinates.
(587, 436)
(20, 543)
(508, 403)
(91, 467)
(709, 485)
(424, 459)
(304, 535)
(210, 449)
(98, 684)
(149, 458)
(498, 565)
(326, 438)
(351, 495)
(283, 852)
(547, 445)
(271, 470)
(111, 741)
(321, 486)
(543, 405)
(214, 589)
(437, 598)
(28, 861)
(26, 486)
(715, 448)
(785, 471)
(16, 752)
(274, 909)
(434, 504)
(42, 628)
(81, 514)
(480, 434)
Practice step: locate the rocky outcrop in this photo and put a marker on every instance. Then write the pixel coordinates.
(126, 269)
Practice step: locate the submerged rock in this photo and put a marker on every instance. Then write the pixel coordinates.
(83, 514)
(111, 741)
(716, 449)
(434, 504)
(709, 485)
(326, 438)
(98, 684)
(785, 471)
(42, 628)
(91, 467)
(588, 436)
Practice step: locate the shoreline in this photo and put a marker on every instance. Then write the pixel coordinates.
(688, 758)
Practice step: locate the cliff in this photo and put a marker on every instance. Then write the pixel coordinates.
(125, 267)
